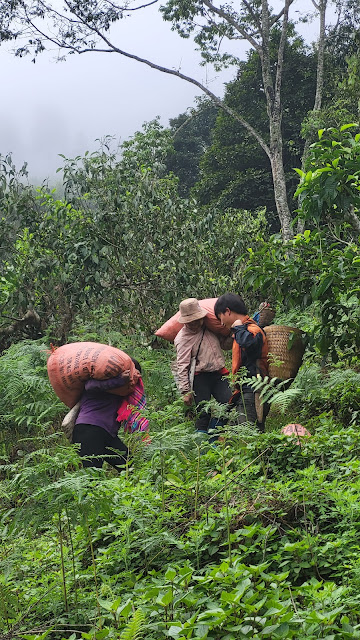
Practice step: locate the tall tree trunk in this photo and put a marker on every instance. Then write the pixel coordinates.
(273, 100)
(279, 180)
(321, 55)
(321, 8)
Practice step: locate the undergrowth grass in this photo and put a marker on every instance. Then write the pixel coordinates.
(255, 537)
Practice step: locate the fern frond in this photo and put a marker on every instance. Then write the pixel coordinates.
(274, 392)
(135, 629)
(283, 399)
(26, 397)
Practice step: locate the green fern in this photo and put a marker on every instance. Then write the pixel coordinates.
(8, 602)
(337, 390)
(26, 399)
(135, 628)
(274, 392)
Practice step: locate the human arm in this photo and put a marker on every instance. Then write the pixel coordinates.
(226, 342)
(183, 362)
(109, 384)
(250, 342)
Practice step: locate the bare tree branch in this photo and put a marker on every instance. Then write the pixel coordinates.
(30, 319)
(280, 14)
(230, 20)
(126, 9)
(79, 31)
(281, 50)
(253, 14)
(113, 49)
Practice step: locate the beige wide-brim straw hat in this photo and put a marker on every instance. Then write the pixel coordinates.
(190, 310)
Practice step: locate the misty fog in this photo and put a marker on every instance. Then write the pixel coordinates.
(50, 107)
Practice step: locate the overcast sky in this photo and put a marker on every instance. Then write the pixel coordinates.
(49, 108)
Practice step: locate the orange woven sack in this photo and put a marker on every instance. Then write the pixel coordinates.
(72, 364)
(171, 327)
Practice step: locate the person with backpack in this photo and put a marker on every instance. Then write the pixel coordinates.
(250, 350)
(200, 362)
(100, 415)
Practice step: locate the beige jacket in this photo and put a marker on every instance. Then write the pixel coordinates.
(210, 357)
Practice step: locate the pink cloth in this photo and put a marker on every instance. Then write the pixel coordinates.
(130, 408)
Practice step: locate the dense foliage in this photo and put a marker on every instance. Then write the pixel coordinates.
(123, 236)
(321, 266)
(235, 171)
(254, 538)
(254, 535)
(191, 135)
(216, 29)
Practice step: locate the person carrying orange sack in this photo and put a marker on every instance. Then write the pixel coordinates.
(200, 362)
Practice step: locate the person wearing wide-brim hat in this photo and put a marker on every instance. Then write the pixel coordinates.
(190, 310)
(200, 361)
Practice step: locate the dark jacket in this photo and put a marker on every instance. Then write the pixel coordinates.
(250, 348)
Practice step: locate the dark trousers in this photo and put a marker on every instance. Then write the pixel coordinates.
(247, 411)
(95, 441)
(207, 385)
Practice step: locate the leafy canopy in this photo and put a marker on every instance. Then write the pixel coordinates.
(330, 190)
(322, 265)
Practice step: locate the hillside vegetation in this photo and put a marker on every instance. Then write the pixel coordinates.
(253, 536)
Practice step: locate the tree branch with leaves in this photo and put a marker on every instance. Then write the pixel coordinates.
(84, 26)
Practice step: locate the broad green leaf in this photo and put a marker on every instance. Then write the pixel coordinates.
(101, 634)
(125, 609)
(269, 631)
(299, 172)
(173, 479)
(170, 574)
(211, 613)
(323, 286)
(165, 599)
(174, 631)
(282, 630)
(348, 126)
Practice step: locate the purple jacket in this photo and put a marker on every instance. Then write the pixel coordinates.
(98, 407)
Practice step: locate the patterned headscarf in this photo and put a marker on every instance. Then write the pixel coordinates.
(130, 408)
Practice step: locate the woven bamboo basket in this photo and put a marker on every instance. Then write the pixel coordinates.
(287, 361)
(267, 315)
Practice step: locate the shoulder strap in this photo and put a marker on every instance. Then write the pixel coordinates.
(198, 349)
(252, 321)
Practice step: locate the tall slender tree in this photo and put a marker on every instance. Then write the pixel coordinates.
(234, 171)
(84, 26)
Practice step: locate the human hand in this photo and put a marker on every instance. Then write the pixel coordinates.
(237, 323)
(264, 305)
(188, 398)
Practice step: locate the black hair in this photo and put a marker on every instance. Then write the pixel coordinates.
(137, 364)
(230, 301)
